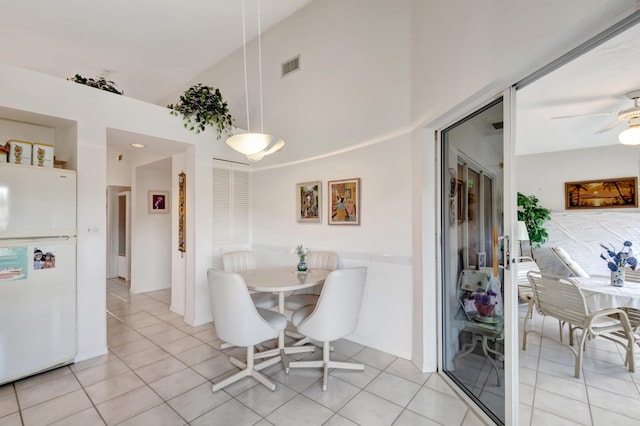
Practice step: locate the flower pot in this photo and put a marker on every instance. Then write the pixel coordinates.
(302, 266)
(485, 310)
(617, 277)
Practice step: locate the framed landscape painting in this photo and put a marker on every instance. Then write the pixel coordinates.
(344, 203)
(602, 193)
(308, 201)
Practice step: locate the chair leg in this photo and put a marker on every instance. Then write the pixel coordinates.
(248, 369)
(583, 342)
(326, 364)
(524, 326)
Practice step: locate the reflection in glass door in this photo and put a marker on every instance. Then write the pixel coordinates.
(472, 258)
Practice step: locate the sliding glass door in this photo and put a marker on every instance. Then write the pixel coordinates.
(474, 260)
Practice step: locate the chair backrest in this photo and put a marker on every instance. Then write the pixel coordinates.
(572, 265)
(632, 276)
(322, 260)
(338, 309)
(238, 261)
(558, 297)
(235, 316)
(523, 266)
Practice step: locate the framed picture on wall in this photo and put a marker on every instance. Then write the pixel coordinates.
(308, 201)
(344, 202)
(601, 193)
(159, 201)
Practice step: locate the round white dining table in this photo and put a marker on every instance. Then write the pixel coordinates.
(281, 280)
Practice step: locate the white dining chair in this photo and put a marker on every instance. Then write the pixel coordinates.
(245, 260)
(574, 267)
(561, 298)
(315, 260)
(239, 322)
(334, 316)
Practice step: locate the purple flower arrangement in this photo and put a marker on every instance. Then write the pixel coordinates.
(619, 259)
(487, 297)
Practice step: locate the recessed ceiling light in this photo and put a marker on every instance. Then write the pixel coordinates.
(138, 145)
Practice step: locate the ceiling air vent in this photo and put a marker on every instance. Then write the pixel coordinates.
(290, 66)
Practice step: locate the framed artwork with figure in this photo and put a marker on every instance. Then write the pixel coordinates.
(308, 196)
(158, 201)
(344, 202)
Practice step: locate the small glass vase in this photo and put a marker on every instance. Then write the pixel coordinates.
(302, 265)
(617, 277)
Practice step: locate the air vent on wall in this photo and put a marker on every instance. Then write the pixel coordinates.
(290, 66)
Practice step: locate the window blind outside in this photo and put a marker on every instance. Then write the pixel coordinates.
(231, 226)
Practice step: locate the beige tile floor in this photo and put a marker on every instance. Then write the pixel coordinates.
(606, 393)
(159, 371)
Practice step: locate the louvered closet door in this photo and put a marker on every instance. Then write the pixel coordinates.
(231, 225)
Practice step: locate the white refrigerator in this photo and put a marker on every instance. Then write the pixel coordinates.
(37, 270)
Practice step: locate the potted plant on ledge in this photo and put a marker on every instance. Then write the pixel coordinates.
(201, 106)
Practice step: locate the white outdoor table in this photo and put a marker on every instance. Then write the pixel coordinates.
(600, 294)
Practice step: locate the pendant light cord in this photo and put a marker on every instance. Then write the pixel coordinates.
(244, 51)
(260, 65)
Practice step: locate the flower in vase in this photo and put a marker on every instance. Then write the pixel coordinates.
(619, 259)
(485, 301)
(301, 252)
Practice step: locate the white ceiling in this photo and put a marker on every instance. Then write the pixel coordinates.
(593, 87)
(148, 47)
(151, 47)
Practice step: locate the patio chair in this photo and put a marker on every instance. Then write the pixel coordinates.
(524, 265)
(561, 298)
(573, 267)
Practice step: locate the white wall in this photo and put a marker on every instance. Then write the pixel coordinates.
(151, 232)
(178, 259)
(381, 242)
(580, 232)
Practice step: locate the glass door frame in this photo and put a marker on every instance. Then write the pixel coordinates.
(511, 380)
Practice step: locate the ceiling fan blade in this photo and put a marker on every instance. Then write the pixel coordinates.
(611, 125)
(595, 114)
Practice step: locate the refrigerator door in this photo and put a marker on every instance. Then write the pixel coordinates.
(36, 201)
(37, 305)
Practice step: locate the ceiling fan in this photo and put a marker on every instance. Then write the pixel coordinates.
(632, 115)
(629, 136)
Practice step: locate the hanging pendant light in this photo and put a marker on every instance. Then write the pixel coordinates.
(254, 145)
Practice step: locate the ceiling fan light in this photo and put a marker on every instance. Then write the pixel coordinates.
(249, 143)
(631, 136)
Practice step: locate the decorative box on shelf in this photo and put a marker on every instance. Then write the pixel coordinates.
(19, 151)
(4, 151)
(42, 155)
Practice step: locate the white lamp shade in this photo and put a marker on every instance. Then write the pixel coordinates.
(521, 231)
(275, 147)
(249, 143)
(631, 136)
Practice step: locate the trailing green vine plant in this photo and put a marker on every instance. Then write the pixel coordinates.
(99, 83)
(201, 106)
(534, 216)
